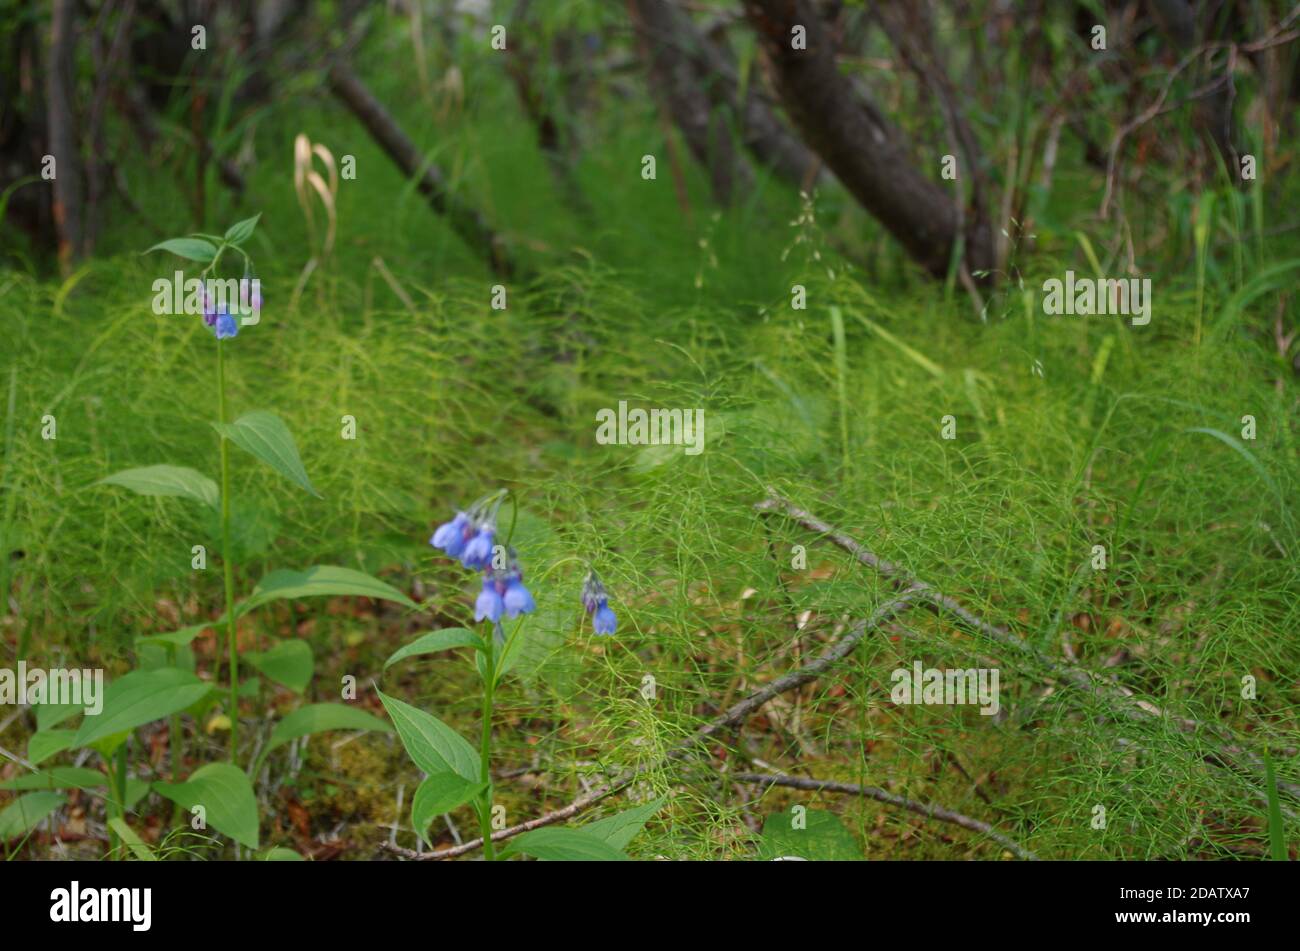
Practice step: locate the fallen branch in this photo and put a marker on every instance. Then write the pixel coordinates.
(933, 597)
(733, 716)
(465, 220)
(814, 669)
(1122, 698)
(867, 151)
(940, 813)
(682, 83)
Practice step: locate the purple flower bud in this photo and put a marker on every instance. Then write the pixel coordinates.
(226, 325)
(209, 309)
(604, 622)
(489, 604)
(517, 599)
(478, 550)
(450, 536)
(593, 593)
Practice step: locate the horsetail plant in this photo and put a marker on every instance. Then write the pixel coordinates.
(455, 774)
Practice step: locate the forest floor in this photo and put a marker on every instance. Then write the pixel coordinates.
(1068, 433)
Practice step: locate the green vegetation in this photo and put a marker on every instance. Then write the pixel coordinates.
(1071, 432)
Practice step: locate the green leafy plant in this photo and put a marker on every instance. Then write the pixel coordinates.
(164, 685)
(455, 773)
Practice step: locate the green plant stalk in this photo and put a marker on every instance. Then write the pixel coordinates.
(227, 569)
(110, 806)
(485, 749)
(841, 372)
(117, 777)
(174, 741)
(1201, 237)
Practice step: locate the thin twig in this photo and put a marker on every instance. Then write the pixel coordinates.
(1123, 699)
(733, 716)
(930, 811)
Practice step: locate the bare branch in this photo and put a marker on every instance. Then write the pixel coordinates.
(732, 717)
(860, 145)
(1230, 754)
(681, 81)
(930, 811)
(429, 181)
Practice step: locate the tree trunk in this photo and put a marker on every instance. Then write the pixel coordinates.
(682, 84)
(762, 133)
(61, 125)
(862, 147)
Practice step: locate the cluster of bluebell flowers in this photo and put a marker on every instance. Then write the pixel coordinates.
(218, 317)
(503, 592)
(470, 537)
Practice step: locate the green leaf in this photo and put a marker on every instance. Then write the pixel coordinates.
(25, 812)
(509, 653)
(436, 641)
(439, 794)
(46, 743)
(166, 480)
(621, 828)
(193, 249)
(810, 834)
(140, 697)
(320, 718)
(434, 746)
(288, 662)
(136, 789)
(564, 845)
(281, 854)
(58, 777)
(241, 231)
(254, 527)
(179, 638)
(106, 746)
(152, 656)
(132, 841)
(266, 436)
(226, 796)
(52, 714)
(321, 581)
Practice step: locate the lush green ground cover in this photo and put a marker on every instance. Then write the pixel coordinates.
(1071, 432)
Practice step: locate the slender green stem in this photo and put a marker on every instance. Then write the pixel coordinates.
(174, 742)
(841, 374)
(117, 776)
(227, 568)
(514, 516)
(485, 749)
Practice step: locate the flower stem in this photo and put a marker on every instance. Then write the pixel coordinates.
(174, 742)
(227, 568)
(117, 796)
(485, 750)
